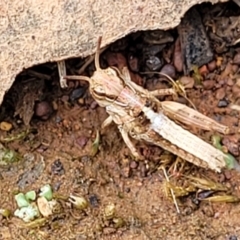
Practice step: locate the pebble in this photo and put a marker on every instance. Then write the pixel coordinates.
(65, 98)
(219, 61)
(169, 70)
(66, 123)
(44, 207)
(57, 168)
(116, 59)
(153, 63)
(212, 66)
(230, 81)
(133, 164)
(223, 103)
(93, 105)
(220, 93)
(5, 126)
(94, 201)
(203, 70)
(228, 174)
(208, 84)
(187, 82)
(81, 101)
(82, 141)
(231, 142)
(77, 93)
(109, 230)
(43, 110)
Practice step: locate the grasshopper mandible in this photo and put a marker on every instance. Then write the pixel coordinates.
(140, 115)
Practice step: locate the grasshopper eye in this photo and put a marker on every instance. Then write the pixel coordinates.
(99, 91)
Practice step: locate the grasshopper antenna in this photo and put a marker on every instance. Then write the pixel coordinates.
(97, 55)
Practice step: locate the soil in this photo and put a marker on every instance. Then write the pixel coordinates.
(52, 130)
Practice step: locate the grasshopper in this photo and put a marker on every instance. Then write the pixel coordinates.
(141, 116)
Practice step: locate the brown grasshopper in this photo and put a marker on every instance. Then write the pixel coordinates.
(140, 115)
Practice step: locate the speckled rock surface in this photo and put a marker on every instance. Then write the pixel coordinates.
(38, 31)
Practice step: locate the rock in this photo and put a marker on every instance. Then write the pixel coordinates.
(212, 66)
(220, 93)
(169, 70)
(33, 32)
(5, 126)
(187, 82)
(223, 103)
(43, 110)
(208, 84)
(231, 142)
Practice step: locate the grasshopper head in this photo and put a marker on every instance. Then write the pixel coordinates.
(105, 84)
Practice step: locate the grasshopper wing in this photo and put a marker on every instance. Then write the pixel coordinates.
(189, 116)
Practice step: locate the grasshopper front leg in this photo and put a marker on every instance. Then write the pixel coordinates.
(129, 143)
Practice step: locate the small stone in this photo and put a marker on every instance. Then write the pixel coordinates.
(231, 142)
(77, 93)
(230, 82)
(44, 207)
(187, 82)
(65, 98)
(208, 84)
(228, 174)
(43, 110)
(116, 59)
(169, 70)
(220, 93)
(219, 61)
(66, 123)
(133, 164)
(223, 103)
(93, 105)
(153, 63)
(109, 230)
(57, 168)
(5, 126)
(76, 126)
(81, 101)
(94, 201)
(82, 141)
(212, 66)
(203, 70)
